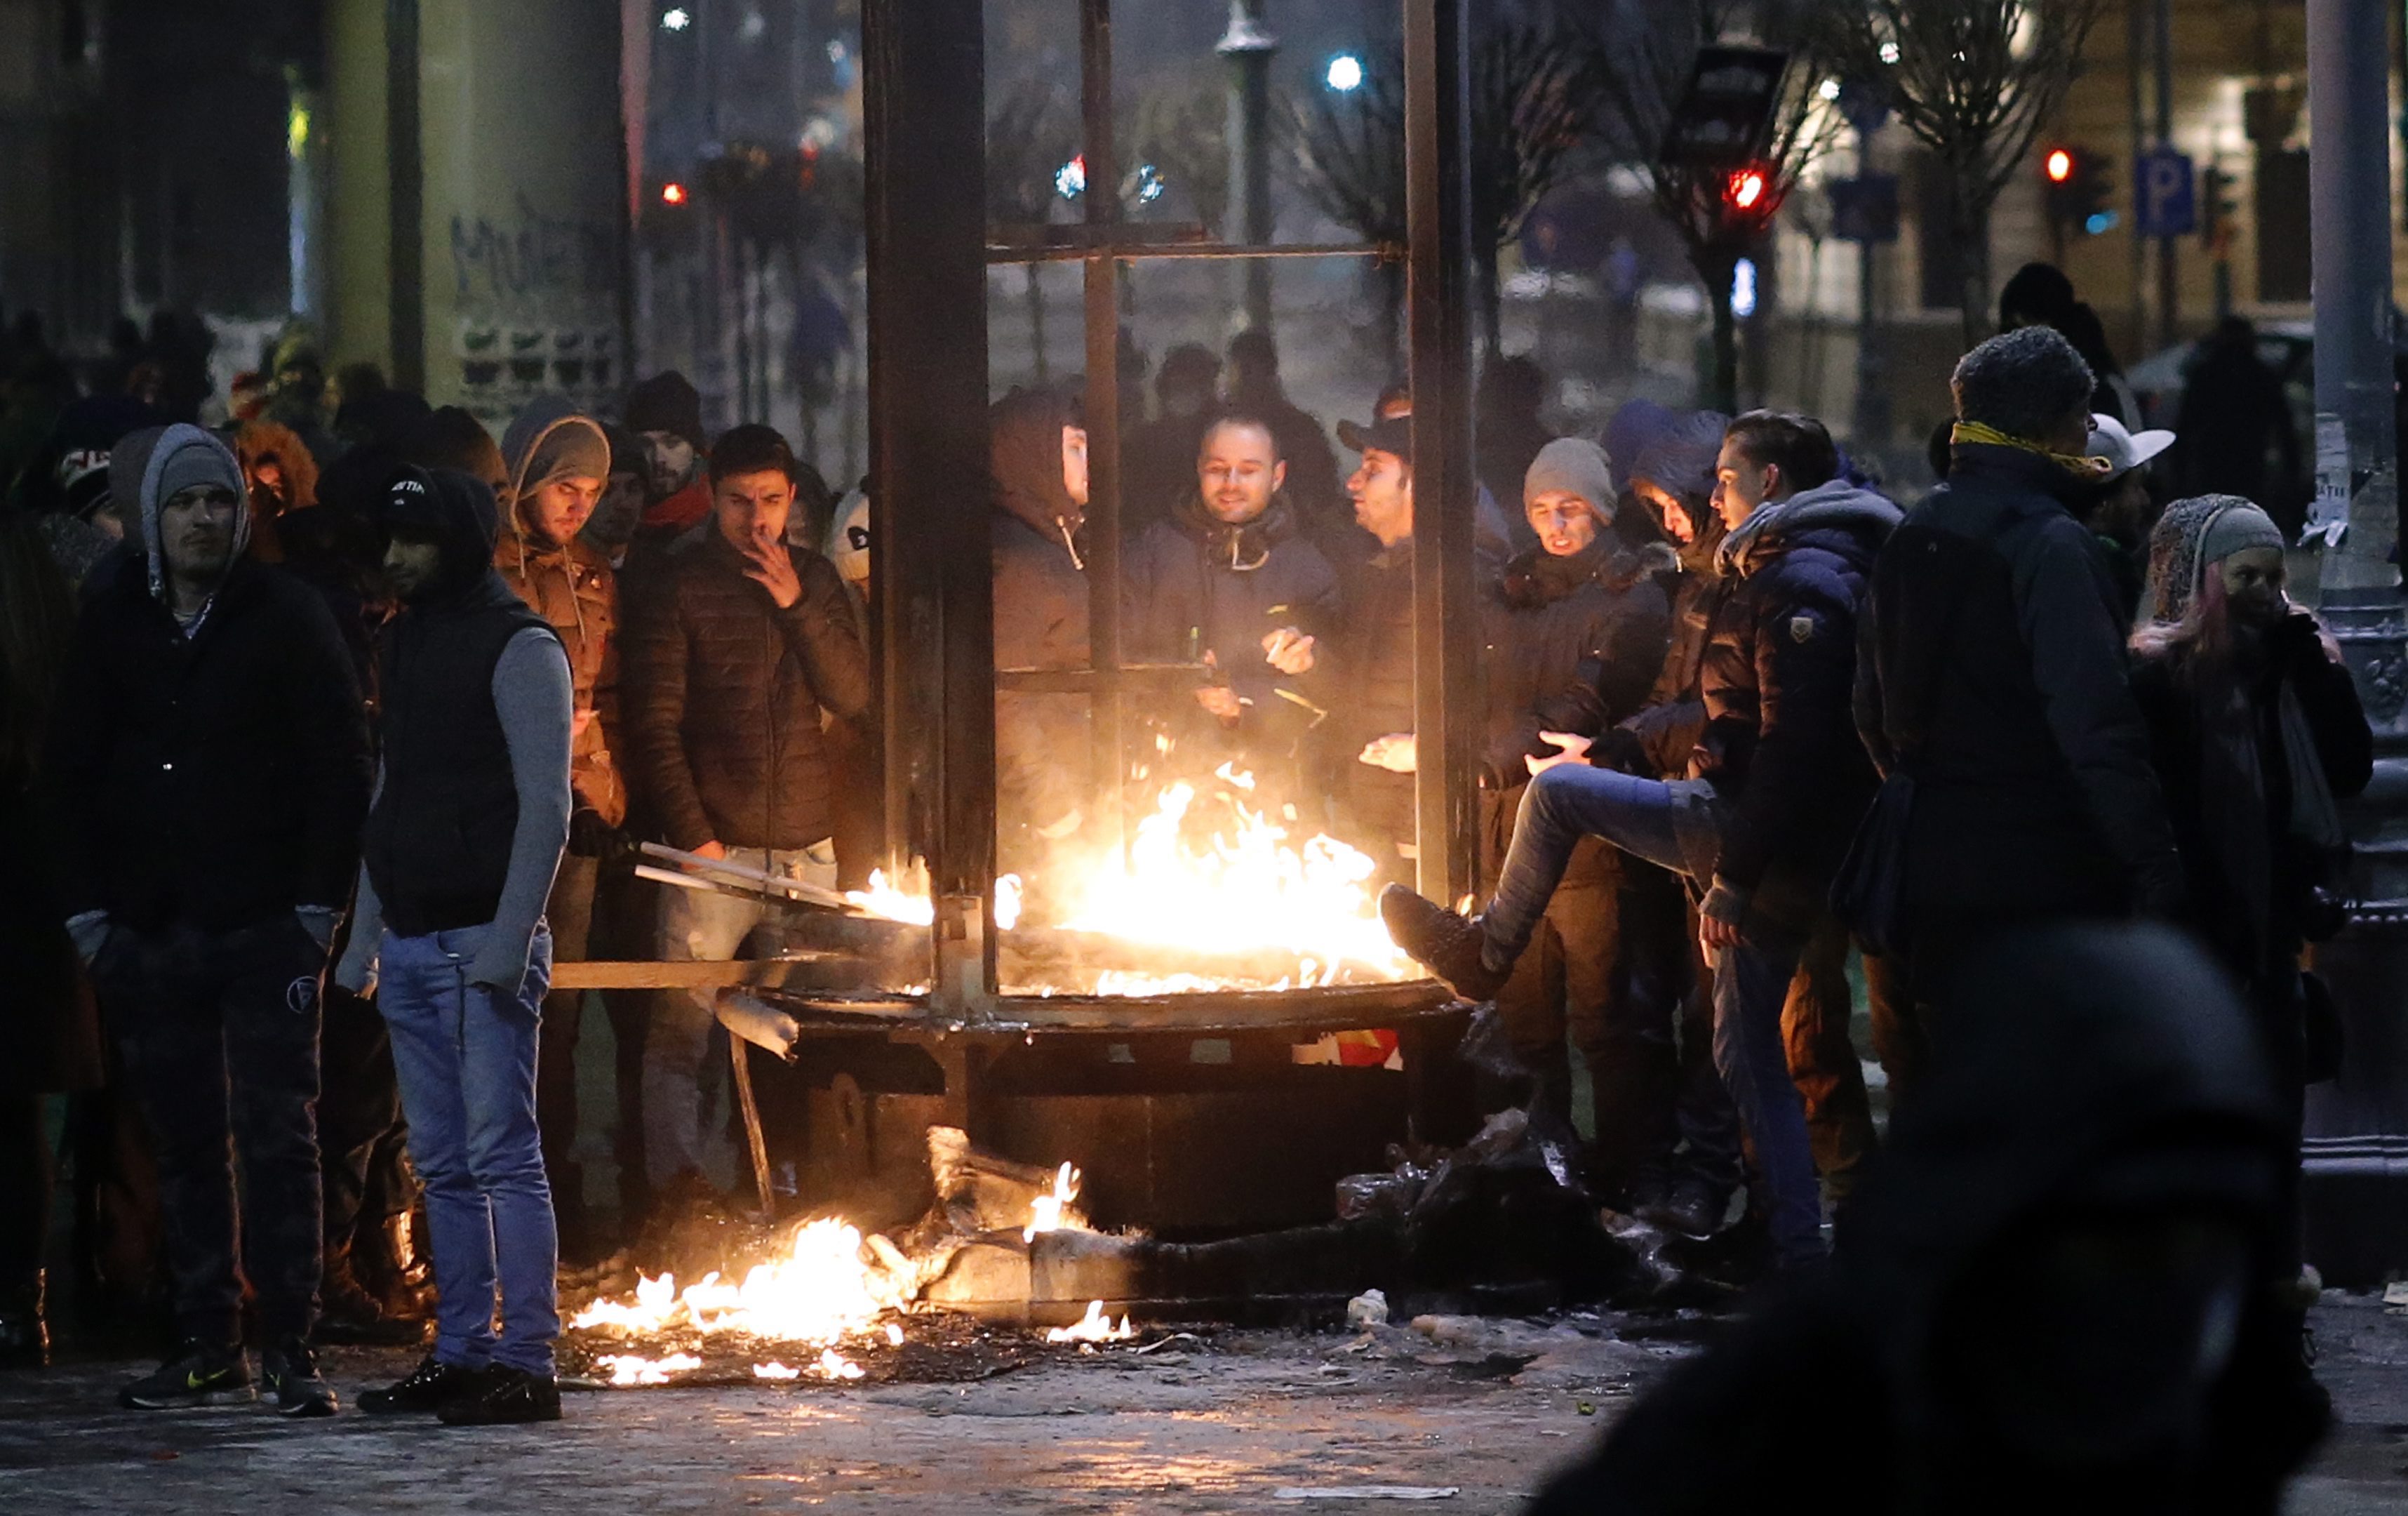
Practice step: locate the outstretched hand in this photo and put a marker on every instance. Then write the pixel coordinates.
(1289, 650)
(1395, 753)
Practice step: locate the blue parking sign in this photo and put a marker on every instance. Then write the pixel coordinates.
(2164, 198)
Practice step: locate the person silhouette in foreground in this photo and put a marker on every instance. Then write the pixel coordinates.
(2050, 1295)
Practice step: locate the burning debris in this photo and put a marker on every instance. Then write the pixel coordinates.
(831, 1287)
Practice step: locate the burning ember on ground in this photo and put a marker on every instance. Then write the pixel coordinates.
(830, 1286)
(1093, 1327)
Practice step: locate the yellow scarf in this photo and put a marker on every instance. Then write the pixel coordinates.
(1974, 433)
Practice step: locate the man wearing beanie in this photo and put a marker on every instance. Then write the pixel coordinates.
(667, 413)
(1764, 818)
(558, 462)
(1997, 670)
(209, 758)
(470, 815)
(1574, 633)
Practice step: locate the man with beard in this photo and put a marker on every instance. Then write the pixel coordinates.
(558, 461)
(470, 815)
(1228, 580)
(209, 757)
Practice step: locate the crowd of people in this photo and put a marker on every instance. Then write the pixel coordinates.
(329, 729)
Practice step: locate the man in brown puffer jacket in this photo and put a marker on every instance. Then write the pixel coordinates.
(557, 461)
(742, 641)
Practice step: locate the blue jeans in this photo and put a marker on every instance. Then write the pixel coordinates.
(1643, 818)
(466, 1057)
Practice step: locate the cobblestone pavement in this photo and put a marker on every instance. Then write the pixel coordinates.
(1227, 1424)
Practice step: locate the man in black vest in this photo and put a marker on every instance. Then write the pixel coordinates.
(470, 815)
(209, 757)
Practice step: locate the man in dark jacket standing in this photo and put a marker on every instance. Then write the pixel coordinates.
(740, 647)
(1777, 785)
(1995, 675)
(209, 762)
(1229, 580)
(1038, 456)
(1575, 632)
(470, 815)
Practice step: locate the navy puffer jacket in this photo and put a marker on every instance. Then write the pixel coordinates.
(1778, 678)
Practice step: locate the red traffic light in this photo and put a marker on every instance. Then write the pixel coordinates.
(2059, 166)
(1746, 189)
(673, 193)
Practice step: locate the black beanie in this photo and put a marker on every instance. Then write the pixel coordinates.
(667, 403)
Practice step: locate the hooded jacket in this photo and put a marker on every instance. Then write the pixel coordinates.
(1195, 585)
(1041, 613)
(2091, 1071)
(571, 586)
(1996, 672)
(1775, 680)
(212, 776)
(441, 836)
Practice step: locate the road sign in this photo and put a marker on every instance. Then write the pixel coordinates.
(1721, 120)
(1865, 209)
(2165, 193)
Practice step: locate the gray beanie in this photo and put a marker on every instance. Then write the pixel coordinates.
(2238, 528)
(1575, 466)
(194, 462)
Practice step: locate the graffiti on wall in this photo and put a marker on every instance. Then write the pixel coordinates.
(531, 258)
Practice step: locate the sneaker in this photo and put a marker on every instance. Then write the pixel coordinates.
(1691, 1208)
(289, 1373)
(506, 1398)
(428, 1387)
(1442, 941)
(199, 1374)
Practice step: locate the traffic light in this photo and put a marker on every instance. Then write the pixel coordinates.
(2078, 189)
(1749, 195)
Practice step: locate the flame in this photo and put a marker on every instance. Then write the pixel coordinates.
(1249, 887)
(775, 1370)
(1093, 1327)
(1046, 1212)
(632, 1368)
(835, 1365)
(823, 1290)
(885, 897)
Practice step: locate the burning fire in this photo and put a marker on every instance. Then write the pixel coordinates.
(1046, 1212)
(831, 1285)
(633, 1368)
(823, 1290)
(1093, 1327)
(1249, 887)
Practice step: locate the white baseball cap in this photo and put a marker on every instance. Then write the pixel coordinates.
(2124, 450)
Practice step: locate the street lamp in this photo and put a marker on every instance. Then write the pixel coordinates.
(1345, 73)
(677, 19)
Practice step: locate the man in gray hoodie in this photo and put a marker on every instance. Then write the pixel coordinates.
(470, 815)
(209, 767)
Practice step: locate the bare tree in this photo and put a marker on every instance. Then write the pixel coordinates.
(1029, 136)
(1973, 81)
(1536, 96)
(1650, 50)
(1182, 130)
(1349, 151)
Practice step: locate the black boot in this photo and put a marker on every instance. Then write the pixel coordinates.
(1442, 941)
(25, 1324)
(506, 1398)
